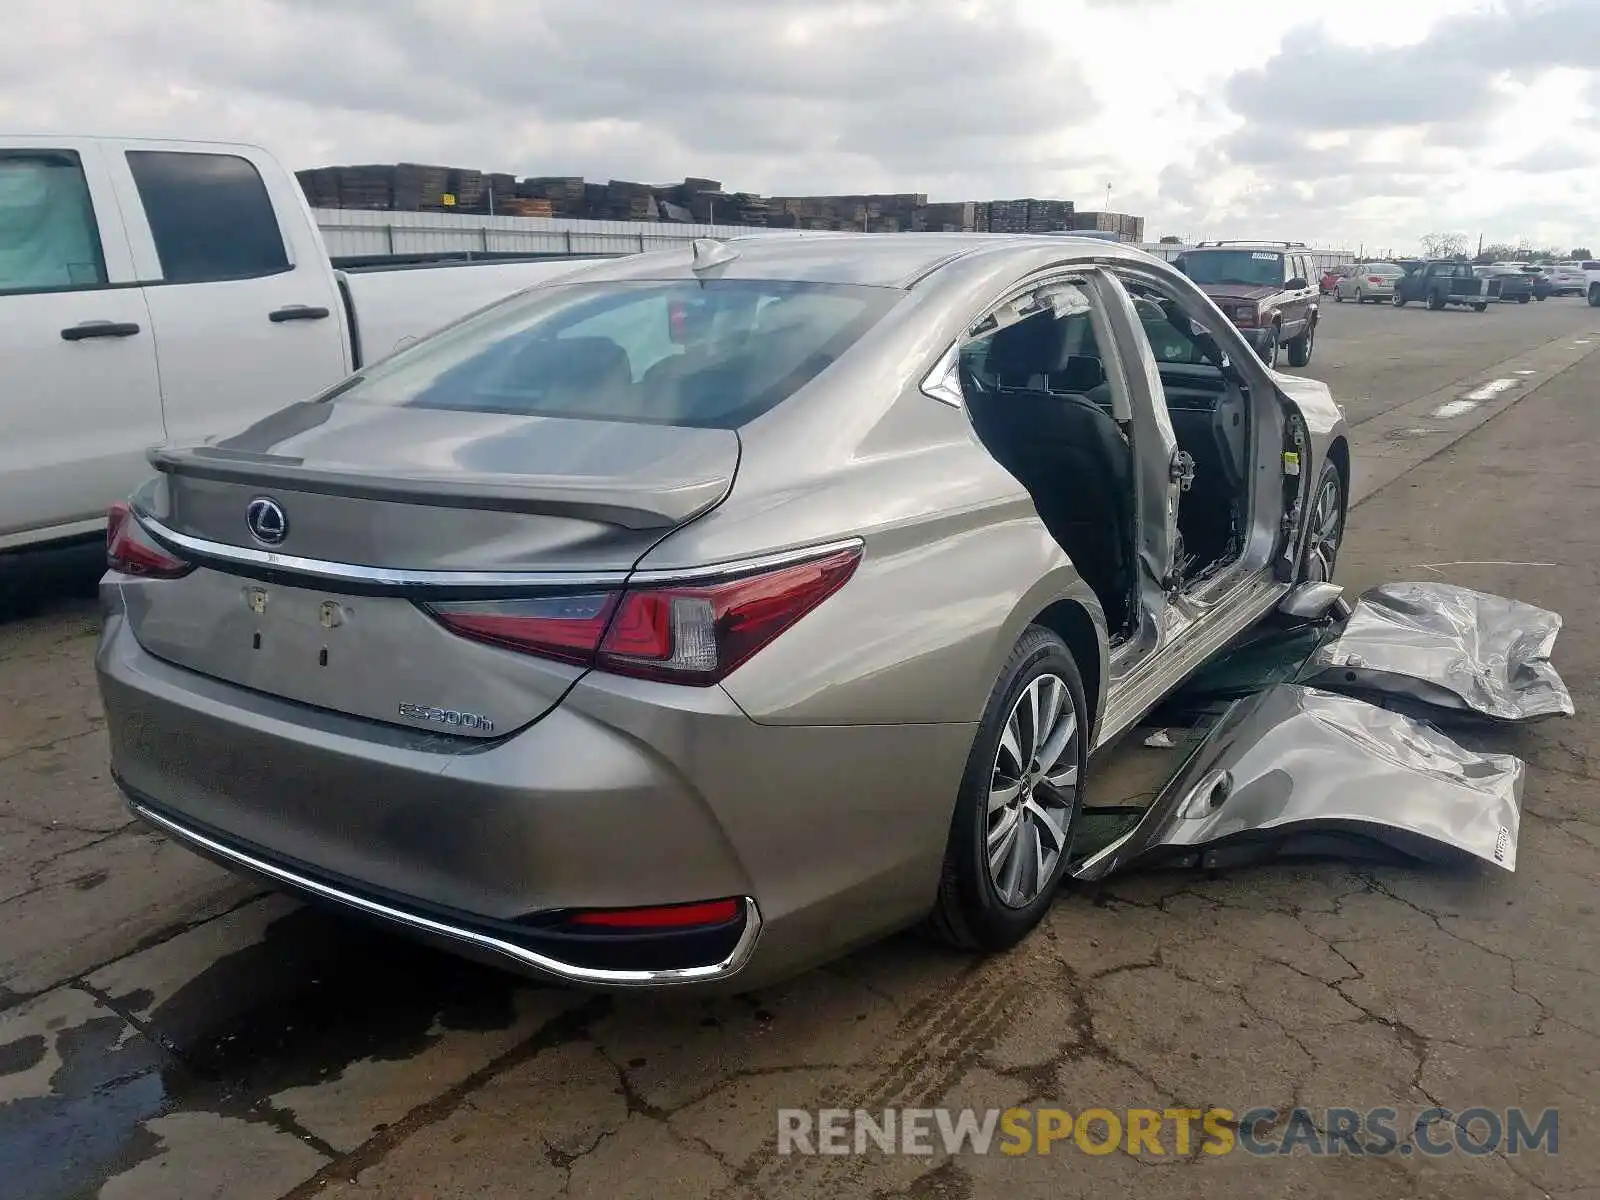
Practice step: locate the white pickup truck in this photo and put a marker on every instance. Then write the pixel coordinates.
(1591, 275)
(156, 291)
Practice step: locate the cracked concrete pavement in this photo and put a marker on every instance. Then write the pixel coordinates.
(169, 1031)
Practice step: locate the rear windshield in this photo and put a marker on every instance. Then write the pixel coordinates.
(713, 354)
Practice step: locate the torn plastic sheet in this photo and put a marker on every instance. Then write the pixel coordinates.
(1449, 649)
(1295, 770)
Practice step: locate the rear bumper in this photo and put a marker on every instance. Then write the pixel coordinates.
(628, 794)
(528, 948)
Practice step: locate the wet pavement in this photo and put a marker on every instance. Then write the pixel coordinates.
(169, 1031)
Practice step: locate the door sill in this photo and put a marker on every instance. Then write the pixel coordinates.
(1201, 635)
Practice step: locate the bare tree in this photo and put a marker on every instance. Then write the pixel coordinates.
(1443, 245)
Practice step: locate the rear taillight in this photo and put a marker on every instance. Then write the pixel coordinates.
(1374, 278)
(692, 633)
(565, 628)
(130, 550)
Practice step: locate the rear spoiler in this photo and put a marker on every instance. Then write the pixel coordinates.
(608, 499)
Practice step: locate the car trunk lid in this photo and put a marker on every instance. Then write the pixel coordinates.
(380, 510)
(427, 489)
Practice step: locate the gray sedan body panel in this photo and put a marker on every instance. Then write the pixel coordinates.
(1450, 649)
(1296, 768)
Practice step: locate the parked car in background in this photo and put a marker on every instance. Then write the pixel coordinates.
(1443, 282)
(1366, 282)
(1567, 279)
(422, 646)
(1331, 277)
(1515, 285)
(170, 290)
(1265, 288)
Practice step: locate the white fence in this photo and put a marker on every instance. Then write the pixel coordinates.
(357, 233)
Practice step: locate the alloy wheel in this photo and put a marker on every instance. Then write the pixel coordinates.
(1327, 527)
(1033, 791)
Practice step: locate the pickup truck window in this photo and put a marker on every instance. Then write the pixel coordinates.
(48, 238)
(210, 216)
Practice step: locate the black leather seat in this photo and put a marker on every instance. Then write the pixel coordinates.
(1070, 454)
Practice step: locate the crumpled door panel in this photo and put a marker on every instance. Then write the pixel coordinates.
(1299, 770)
(1448, 649)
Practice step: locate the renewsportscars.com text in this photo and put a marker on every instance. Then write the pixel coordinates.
(1167, 1131)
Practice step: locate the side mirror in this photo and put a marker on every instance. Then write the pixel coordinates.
(1297, 284)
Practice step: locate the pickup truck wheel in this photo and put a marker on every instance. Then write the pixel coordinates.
(1300, 347)
(1594, 295)
(1398, 301)
(1523, 299)
(1436, 301)
(1017, 809)
(1480, 307)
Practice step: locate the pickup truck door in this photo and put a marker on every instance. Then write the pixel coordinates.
(80, 399)
(246, 309)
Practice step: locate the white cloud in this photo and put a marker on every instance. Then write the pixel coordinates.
(1330, 120)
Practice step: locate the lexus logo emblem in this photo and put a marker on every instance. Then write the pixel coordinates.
(267, 521)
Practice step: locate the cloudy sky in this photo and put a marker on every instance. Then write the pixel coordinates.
(1333, 121)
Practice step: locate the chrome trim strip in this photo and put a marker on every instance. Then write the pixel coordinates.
(742, 566)
(517, 954)
(203, 548)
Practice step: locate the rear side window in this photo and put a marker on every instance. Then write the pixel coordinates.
(48, 238)
(210, 215)
(715, 354)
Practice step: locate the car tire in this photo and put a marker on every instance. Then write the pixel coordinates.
(1398, 300)
(1300, 348)
(1540, 299)
(1269, 352)
(1594, 296)
(988, 907)
(1436, 302)
(1329, 507)
(1338, 297)
(1480, 307)
(1523, 299)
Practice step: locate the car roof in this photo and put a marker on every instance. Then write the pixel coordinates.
(897, 260)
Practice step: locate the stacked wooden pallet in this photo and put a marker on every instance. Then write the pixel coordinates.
(420, 188)
(1008, 216)
(321, 186)
(524, 206)
(626, 201)
(467, 188)
(1047, 216)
